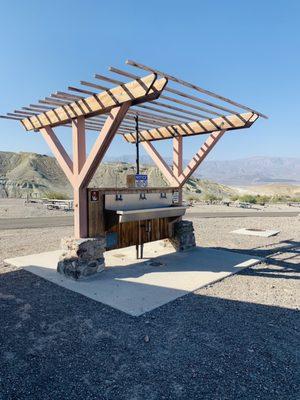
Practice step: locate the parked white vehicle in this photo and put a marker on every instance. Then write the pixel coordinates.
(53, 204)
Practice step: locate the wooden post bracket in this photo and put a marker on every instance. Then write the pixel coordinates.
(81, 170)
(177, 176)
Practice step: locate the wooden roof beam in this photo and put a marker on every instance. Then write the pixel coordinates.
(193, 86)
(203, 127)
(157, 110)
(173, 99)
(134, 92)
(11, 117)
(182, 94)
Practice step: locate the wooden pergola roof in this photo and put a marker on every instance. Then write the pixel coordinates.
(148, 108)
(183, 109)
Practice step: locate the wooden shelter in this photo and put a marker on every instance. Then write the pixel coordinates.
(166, 108)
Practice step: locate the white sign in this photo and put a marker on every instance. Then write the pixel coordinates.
(175, 197)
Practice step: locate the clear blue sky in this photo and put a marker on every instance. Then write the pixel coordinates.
(248, 51)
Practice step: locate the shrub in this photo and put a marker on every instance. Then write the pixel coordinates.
(234, 197)
(248, 198)
(192, 197)
(211, 197)
(57, 196)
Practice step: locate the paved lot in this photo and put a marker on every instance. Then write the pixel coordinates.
(48, 222)
(35, 222)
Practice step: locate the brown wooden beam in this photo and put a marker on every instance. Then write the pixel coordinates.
(193, 86)
(160, 163)
(59, 152)
(102, 143)
(144, 89)
(230, 122)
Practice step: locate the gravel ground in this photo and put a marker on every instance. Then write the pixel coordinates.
(17, 208)
(232, 208)
(216, 232)
(236, 339)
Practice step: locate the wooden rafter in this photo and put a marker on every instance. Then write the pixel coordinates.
(229, 122)
(194, 87)
(147, 88)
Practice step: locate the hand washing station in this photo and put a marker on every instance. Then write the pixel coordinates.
(133, 216)
(114, 218)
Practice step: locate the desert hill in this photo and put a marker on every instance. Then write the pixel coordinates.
(27, 173)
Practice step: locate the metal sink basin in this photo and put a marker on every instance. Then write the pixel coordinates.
(150, 213)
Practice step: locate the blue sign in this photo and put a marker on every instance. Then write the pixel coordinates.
(141, 180)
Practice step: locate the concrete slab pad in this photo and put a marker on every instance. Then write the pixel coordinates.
(135, 286)
(256, 232)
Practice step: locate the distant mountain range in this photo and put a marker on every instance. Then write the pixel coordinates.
(244, 171)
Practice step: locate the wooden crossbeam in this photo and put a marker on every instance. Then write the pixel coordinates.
(201, 154)
(229, 122)
(147, 88)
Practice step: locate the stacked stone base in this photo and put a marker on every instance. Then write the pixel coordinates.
(81, 258)
(184, 237)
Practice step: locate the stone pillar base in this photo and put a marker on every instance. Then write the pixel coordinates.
(81, 258)
(184, 238)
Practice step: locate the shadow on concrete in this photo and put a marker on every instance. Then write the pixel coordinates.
(284, 254)
(135, 286)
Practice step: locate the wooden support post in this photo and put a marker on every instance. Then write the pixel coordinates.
(80, 213)
(79, 146)
(177, 162)
(204, 150)
(177, 156)
(80, 193)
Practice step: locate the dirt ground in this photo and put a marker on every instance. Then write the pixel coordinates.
(200, 207)
(18, 208)
(236, 339)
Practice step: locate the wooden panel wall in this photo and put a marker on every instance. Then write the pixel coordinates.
(138, 232)
(102, 222)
